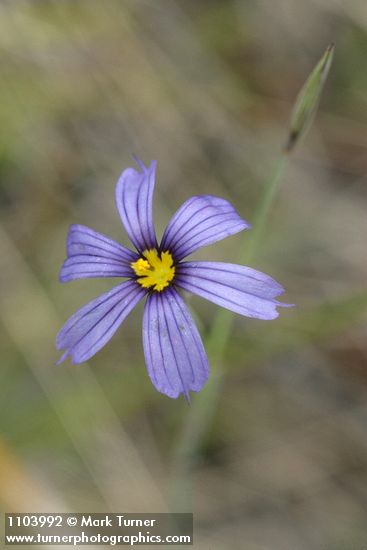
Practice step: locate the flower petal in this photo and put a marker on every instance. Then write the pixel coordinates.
(174, 353)
(92, 326)
(200, 221)
(134, 201)
(235, 287)
(91, 254)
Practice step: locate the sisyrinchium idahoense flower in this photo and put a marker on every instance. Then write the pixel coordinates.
(174, 353)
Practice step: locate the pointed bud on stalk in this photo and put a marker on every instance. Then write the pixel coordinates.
(308, 100)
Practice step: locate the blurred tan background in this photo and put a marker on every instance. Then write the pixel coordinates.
(206, 88)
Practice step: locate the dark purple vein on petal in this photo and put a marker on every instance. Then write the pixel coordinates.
(182, 242)
(189, 286)
(172, 347)
(136, 294)
(160, 342)
(189, 321)
(88, 311)
(201, 242)
(181, 336)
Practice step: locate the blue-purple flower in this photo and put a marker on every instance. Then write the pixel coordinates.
(174, 353)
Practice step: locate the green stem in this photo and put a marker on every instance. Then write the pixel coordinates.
(204, 404)
(263, 209)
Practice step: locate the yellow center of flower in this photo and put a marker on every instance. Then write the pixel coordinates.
(156, 271)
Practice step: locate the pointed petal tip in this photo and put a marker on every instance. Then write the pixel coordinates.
(184, 392)
(276, 312)
(186, 395)
(62, 358)
(187, 398)
(175, 357)
(63, 277)
(74, 227)
(141, 164)
(238, 288)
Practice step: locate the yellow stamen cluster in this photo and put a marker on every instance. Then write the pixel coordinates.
(156, 270)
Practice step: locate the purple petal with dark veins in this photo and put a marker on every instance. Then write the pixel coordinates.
(201, 220)
(92, 326)
(134, 201)
(235, 287)
(84, 267)
(174, 353)
(91, 254)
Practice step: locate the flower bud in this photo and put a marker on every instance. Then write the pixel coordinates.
(308, 100)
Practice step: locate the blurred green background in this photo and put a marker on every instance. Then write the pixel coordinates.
(206, 88)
